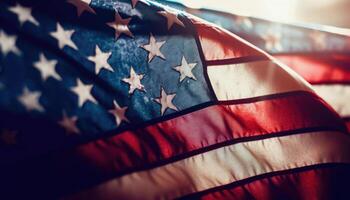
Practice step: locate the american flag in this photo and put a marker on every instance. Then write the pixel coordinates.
(105, 99)
(319, 54)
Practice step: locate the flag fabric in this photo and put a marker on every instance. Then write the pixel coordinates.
(108, 99)
(319, 54)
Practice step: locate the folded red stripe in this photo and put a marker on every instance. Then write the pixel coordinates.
(317, 182)
(319, 68)
(143, 147)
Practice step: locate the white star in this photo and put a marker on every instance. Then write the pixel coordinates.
(172, 17)
(83, 91)
(63, 37)
(153, 48)
(118, 113)
(120, 26)
(134, 81)
(47, 67)
(165, 101)
(82, 5)
(23, 14)
(100, 60)
(30, 100)
(185, 69)
(273, 41)
(8, 44)
(69, 124)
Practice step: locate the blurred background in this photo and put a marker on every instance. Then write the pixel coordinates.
(326, 12)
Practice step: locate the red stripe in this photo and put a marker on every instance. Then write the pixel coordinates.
(209, 126)
(219, 44)
(322, 183)
(167, 141)
(330, 68)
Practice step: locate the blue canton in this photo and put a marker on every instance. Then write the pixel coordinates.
(76, 72)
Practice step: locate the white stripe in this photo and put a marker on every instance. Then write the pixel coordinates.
(226, 165)
(337, 95)
(253, 79)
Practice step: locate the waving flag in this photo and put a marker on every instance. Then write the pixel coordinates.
(319, 54)
(133, 100)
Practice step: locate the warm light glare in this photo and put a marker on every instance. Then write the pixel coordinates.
(288, 11)
(281, 10)
(277, 10)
